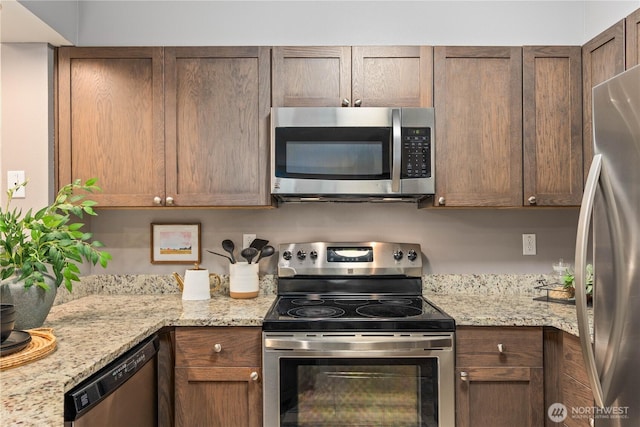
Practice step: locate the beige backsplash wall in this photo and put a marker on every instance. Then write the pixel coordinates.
(452, 241)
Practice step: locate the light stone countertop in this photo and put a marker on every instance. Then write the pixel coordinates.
(93, 330)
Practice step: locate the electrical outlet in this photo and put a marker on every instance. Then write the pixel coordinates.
(14, 178)
(247, 239)
(528, 244)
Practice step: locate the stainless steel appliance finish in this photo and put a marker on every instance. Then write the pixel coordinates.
(612, 198)
(124, 393)
(351, 341)
(352, 154)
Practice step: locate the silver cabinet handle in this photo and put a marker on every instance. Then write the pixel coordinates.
(217, 348)
(346, 102)
(441, 200)
(169, 201)
(396, 148)
(532, 200)
(357, 103)
(464, 376)
(501, 348)
(157, 201)
(253, 376)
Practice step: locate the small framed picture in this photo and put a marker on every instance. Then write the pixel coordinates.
(175, 243)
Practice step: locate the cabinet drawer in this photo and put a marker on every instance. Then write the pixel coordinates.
(576, 397)
(218, 346)
(480, 346)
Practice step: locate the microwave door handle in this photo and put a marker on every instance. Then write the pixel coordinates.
(396, 144)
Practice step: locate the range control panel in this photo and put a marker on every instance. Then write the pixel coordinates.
(349, 258)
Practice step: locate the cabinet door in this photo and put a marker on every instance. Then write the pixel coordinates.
(392, 76)
(226, 396)
(552, 104)
(478, 102)
(318, 76)
(499, 397)
(632, 39)
(110, 122)
(217, 129)
(602, 58)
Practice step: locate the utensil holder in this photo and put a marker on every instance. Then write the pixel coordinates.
(243, 280)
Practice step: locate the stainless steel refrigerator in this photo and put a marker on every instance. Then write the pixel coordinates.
(609, 226)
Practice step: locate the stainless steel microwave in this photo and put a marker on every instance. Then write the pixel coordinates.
(352, 154)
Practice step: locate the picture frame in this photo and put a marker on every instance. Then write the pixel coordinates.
(175, 243)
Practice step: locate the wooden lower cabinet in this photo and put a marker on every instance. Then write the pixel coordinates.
(218, 379)
(499, 377)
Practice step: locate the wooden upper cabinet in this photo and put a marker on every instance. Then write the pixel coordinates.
(602, 58)
(478, 104)
(371, 76)
(216, 122)
(552, 104)
(392, 76)
(632, 39)
(110, 122)
(318, 76)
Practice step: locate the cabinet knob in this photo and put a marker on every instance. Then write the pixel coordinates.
(254, 376)
(346, 102)
(217, 348)
(169, 201)
(157, 201)
(464, 375)
(532, 200)
(441, 200)
(501, 348)
(357, 103)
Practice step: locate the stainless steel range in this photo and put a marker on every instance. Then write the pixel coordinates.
(351, 341)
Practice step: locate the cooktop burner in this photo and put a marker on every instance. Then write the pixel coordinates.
(343, 312)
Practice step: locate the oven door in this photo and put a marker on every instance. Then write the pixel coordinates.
(373, 380)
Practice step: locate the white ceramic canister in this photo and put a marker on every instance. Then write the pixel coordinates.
(243, 280)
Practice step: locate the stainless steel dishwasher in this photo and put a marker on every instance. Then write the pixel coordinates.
(124, 393)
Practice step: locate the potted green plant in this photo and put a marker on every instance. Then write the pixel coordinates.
(41, 251)
(569, 280)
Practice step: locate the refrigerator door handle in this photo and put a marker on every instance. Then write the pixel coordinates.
(582, 240)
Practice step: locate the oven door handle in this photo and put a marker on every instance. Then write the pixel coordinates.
(355, 343)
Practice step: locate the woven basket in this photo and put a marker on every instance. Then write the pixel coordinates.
(42, 343)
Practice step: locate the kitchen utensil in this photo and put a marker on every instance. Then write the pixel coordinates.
(259, 244)
(249, 254)
(229, 247)
(197, 284)
(243, 280)
(224, 256)
(266, 251)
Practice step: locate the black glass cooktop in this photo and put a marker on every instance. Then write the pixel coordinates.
(388, 313)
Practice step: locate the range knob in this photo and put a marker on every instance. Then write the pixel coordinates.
(286, 255)
(397, 255)
(313, 255)
(301, 255)
(412, 255)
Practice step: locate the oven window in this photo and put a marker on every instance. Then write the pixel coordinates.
(333, 153)
(358, 392)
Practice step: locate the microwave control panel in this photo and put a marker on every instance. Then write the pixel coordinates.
(416, 152)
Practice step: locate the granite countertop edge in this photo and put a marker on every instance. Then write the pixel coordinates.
(94, 329)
